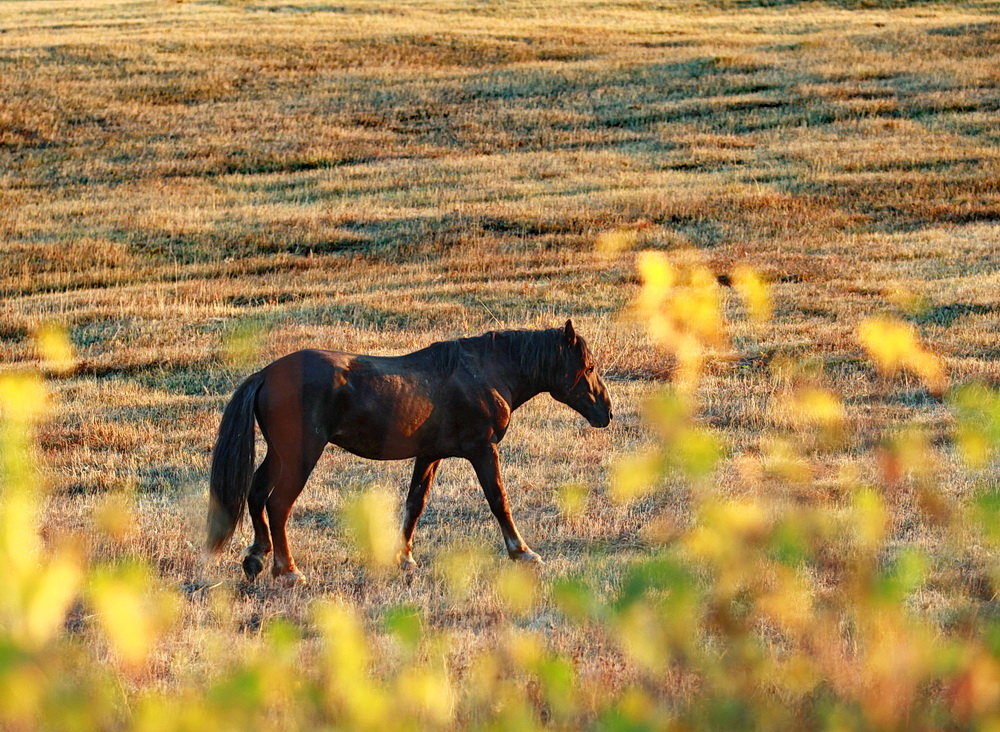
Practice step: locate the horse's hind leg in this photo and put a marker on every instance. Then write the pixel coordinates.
(260, 489)
(294, 470)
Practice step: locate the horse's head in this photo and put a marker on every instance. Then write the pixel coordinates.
(578, 384)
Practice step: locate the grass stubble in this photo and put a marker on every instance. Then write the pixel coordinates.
(375, 177)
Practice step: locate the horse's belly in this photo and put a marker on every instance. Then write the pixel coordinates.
(375, 444)
(387, 423)
(374, 450)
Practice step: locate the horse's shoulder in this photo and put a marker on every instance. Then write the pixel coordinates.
(480, 395)
(500, 405)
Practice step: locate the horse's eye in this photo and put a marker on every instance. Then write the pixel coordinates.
(590, 369)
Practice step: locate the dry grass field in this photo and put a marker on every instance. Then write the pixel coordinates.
(193, 189)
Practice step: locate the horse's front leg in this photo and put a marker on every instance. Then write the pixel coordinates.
(487, 466)
(424, 471)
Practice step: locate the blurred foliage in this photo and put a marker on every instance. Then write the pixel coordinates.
(241, 343)
(776, 605)
(895, 346)
(55, 349)
(755, 293)
(681, 305)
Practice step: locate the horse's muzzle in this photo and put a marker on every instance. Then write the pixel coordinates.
(601, 420)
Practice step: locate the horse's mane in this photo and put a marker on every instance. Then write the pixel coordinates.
(537, 353)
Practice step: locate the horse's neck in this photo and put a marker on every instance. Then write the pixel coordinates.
(521, 393)
(522, 381)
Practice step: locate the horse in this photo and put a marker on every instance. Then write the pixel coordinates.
(451, 399)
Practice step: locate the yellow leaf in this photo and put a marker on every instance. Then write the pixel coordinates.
(350, 689)
(929, 368)
(895, 346)
(524, 648)
(658, 278)
(820, 407)
(516, 586)
(114, 516)
(690, 359)
(755, 292)
(19, 540)
(814, 408)
(789, 601)
(642, 636)
(370, 519)
(22, 695)
(887, 341)
(23, 397)
(347, 649)
(634, 476)
(429, 693)
(55, 589)
(460, 568)
(870, 519)
(681, 308)
(781, 458)
(973, 445)
(707, 543)
(120, 600)
(573, 499)
(742, 518)
(55, 349)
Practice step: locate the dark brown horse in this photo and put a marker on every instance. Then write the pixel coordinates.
(451, 399)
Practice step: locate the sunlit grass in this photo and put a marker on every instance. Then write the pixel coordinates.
(792, 521)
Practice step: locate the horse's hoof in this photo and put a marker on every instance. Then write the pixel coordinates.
(294, 578)
(252, 566)
(407, 562)
(528, 557)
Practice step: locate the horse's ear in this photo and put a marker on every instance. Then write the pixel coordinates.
(570, 333)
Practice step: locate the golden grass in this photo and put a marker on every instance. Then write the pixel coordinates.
(373, 177)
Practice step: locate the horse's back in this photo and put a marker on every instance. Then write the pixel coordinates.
(374, 406)
(380, 407)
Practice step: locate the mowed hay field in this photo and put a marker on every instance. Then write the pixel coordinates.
(193, 189)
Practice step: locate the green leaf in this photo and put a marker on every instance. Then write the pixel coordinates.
(657, 576)
(977, 410)
(789, 543)
(986, 509)
(405, 623)
(902, 577)
(575, 599)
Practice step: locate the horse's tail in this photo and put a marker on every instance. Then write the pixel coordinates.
(232, 464)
